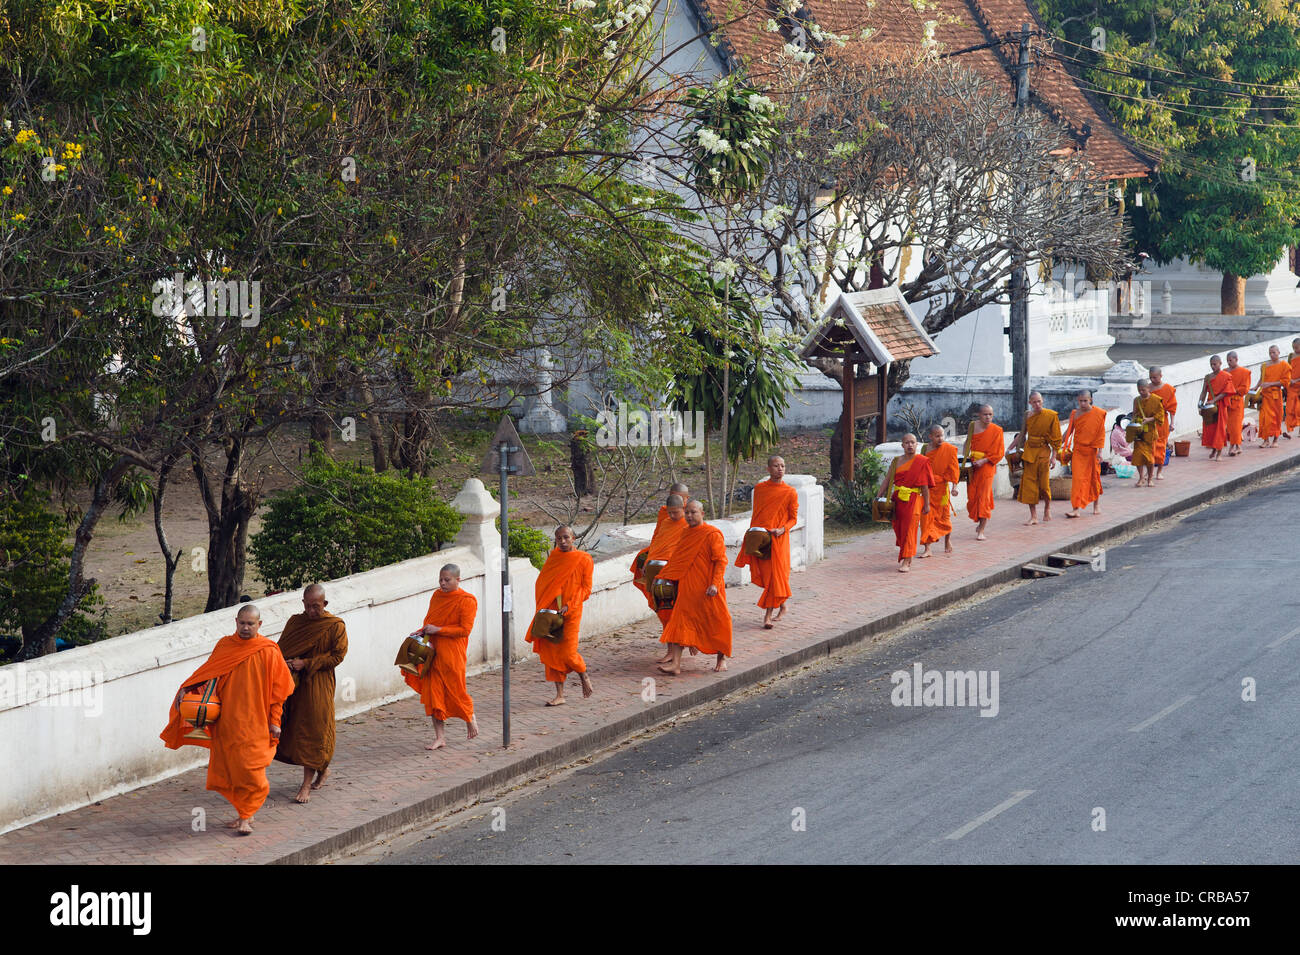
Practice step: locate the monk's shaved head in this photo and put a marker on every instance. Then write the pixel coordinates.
(1155, 370)
(247, 622)
(1232, 354)
(1144, 383)
(679, 488)
(1084, 394)
(313, 590)
(247, 610)
(453, 569)
(986, 409)
(775, 457)
(694, 513)
(313, 601)
(1035, 394)
(674, 500)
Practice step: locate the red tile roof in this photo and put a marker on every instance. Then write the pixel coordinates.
(958, 24)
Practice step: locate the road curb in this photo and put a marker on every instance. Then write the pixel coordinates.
(397, 820)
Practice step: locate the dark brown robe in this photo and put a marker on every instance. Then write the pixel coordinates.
(307, 727)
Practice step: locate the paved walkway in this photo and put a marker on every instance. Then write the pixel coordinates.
(383, 779)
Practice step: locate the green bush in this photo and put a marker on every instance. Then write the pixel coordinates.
(850, 503)
(529, 542)
(34, 570)
(344, 519)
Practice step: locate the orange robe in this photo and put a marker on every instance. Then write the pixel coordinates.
(1168, 396)
(991, 445)
(775, 505)
(442, 689)
(937, 525)
(1144, 446)
(568, 577)
(1236, 404)
(908, 502)
(1293, 395)
(1271, 405)
(1042, 428)
(667, 534)
(1216, 435)
(1089, 433)
(307, 726)
(701, 621)
(660, 521)
(252, 685)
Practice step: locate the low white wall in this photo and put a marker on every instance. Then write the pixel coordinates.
(82, 725)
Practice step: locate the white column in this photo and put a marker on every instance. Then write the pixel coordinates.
(479, 533)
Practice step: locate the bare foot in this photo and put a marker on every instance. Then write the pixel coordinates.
(695, 651)
(947, 548)
(925, 553)
(903, 568)
(1046, 518)
(1071, 514)
(667, 657)
(436, 744)
(556, 702)
(322, 777)
(780, 612)
(473, 729)
(981, 536)
(1031, 522)
(304, 794)
(767, 626)
(234, 823)
(670, 672)
(720, 665)
(245, 827)
(587, 688)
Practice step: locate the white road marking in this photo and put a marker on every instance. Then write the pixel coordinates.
(1283, 639)
(996, 810)
(1161, 715)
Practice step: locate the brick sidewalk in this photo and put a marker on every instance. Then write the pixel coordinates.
(383, 779)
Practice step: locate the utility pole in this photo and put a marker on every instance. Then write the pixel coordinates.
(1019, 330)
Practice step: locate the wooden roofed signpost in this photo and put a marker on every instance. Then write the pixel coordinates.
(874, 326)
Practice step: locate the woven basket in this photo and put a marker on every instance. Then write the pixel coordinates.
(1060, 488)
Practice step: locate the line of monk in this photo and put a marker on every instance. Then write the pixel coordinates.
(253, 682)
(1274, 380)
(907, 484)
(1148, 412)
(642, 557)
(1217, 391)
(936, 523)
(1169, 399)
(1040, 443)
(1085, 437)
(441, 683)
(700, 617)
(313, 644)
(776, 510)
(564, 585)
(984, 449)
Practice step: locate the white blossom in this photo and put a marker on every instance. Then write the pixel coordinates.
(712, 142)
(774, 215)
(584, 4)
(760, 104)
(725, 268)
(772, 26)
(802, 56)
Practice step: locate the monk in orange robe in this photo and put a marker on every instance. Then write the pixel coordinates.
(441, 684)
(252, 685)
(659, 553)
(985, 447)
(700, 616)
(563, 584)
(1273, 382)
(313, 643)
(776, 510)
(1169, 398)
(665, 515)
(1148, 412)
(1085, 435)
(1293, 391)
(1236, 403)
(1218, 388)
(1041, 440)
(910, 477)
(936, 525)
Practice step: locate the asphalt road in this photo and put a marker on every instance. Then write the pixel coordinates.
(1119, 690)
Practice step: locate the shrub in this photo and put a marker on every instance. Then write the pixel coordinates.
(850, 503)
(529, 542)
(34, 570)
(346, 519)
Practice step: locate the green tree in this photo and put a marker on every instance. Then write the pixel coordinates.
(342, 520)
(1213, 87)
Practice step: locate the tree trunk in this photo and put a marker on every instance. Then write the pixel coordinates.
(170, 560)
(584, 474)
(1232, 295)
(837, 449)
(227, 527)
(708, 475)
(322, 432)
(375, 426)
(41, 640)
